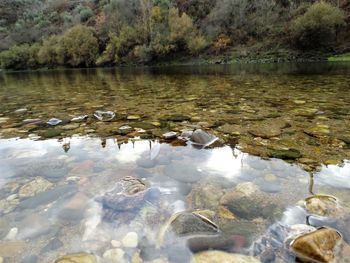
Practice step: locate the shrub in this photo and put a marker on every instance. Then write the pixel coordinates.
(85, 14)
(15, 57)
(180, 26)
(80, 46)
(317, 27)
(221, 43)
(51, 52)
(196, 44)
(120, 45)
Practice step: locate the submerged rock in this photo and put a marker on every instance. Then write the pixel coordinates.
(191, 223)
(317, 246)
(323, 205)
(202, 138)
(34, 187)
(284, 154)
(125, 129)
(77, 258)
(54, 121)
(104, 115)
(129, 195)
(80, 118)
(215, 256)
(178, 118)
(246, 201)
(169, 135)
(130, 240)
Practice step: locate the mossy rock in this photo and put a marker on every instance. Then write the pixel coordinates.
(50, 133)
(290, 154)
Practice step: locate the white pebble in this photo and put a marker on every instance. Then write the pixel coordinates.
(130, 240)
(11, 235)
(116, 243)
(115, 255)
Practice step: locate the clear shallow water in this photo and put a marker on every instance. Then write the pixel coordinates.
(51, 189)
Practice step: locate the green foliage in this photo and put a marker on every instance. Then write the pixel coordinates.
(196, 44)
(51, 52)
(54, 32)
(85, 14)
(317, 27)
(340, 58)
(80, 45)
(120, 45)
(20, 57)
(179, 25)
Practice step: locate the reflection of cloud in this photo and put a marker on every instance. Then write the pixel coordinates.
(336, 176)
(225, 161)
(131, 152)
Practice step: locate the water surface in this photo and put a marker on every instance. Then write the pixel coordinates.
(53, 178)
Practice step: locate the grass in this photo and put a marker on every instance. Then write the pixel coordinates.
(342, 57)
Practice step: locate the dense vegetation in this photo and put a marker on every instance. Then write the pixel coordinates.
(51, 33)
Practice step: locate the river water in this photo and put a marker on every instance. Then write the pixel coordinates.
(88, 187)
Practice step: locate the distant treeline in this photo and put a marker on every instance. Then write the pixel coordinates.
(86, 33)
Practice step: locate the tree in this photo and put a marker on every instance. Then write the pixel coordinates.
(317, 27)
(180, 25)
(80, 45)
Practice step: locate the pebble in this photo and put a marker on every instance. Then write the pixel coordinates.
(130, 240)
(169, 135)
(11, 235)
(114, 254)
(116, 243)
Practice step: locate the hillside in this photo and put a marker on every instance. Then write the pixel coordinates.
(86, 33)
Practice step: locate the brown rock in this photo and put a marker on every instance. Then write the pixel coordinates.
(317, 246)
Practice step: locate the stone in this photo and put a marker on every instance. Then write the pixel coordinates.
(200, 137)
(77, 258)
(169, 135)
(247, 188)
(11, 235)
(54, 121)
(317, 246)
(3, 119)
(114, 255)
(215, 256)
(125, 129)
(116, 243)
(267, 129)
(284, 154)
(7, 206)
(204, 195)
(178, 118)
(127, 197)
(323, 205)
(20, 111)
(80, 118)
(104, 115)
(248, 203)
(32, 121)
(130, 240)
(133, 117)
(34, 187)
(189, 223)
(50, 133)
